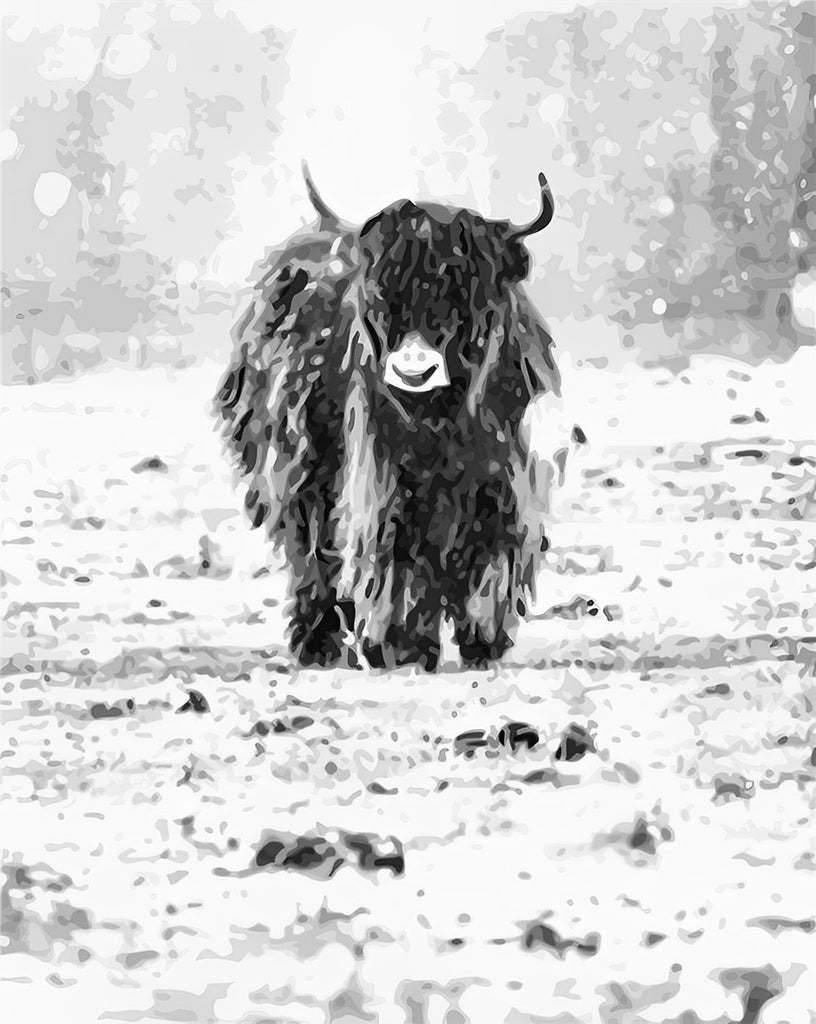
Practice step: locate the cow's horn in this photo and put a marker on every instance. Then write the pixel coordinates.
(543, 219)
(327, 217)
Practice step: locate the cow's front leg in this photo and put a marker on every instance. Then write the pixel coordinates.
(479, 646)
(318, 620)
(483, 613)
(482, 617)
(416, 639)
(412, 637)
(412, 632)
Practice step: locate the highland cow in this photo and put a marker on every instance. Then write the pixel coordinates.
(374, 405)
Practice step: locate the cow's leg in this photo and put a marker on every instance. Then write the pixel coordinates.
(318, 619)
(416, 639)
(416, 634)
(412, 635)
(483, 613)
(484, 640)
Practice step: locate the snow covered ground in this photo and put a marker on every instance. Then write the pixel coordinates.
(346, 846)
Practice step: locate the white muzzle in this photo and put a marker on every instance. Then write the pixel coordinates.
(416, 366)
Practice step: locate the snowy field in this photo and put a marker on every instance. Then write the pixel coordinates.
(357, 847)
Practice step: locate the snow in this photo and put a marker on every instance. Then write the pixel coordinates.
(139, 829)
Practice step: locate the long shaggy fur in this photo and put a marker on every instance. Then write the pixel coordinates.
(393, 510)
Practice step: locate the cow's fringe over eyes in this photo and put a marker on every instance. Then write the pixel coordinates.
(393, 510)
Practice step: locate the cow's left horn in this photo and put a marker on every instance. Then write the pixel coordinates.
(543, 219)
(329, 221)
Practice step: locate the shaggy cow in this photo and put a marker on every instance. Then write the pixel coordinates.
(374, 404)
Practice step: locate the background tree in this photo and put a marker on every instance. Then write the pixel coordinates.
(681, 145)
(678, 140)
(118, 191)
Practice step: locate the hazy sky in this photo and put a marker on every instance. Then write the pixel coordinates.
(361, 104)
(356, 105)
(361, 111)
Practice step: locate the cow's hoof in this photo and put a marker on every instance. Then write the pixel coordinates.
(382, 656)
(312, 655)
(377, 655)
(318, 645)
(481, 654)
(478, 662)
(427, 659)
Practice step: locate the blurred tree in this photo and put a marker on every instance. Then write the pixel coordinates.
(762, 111)
(204, 109)
(118, 192)
(680, 143)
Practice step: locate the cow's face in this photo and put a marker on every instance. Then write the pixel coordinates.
(431, 276)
